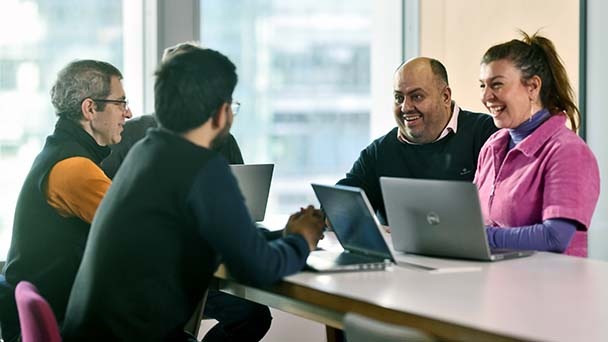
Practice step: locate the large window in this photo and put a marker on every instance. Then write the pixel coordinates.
(38, 38)
(315, 78)
(305, 76)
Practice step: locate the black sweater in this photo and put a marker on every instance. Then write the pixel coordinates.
(452, 158)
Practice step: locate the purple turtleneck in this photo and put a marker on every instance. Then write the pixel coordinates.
(522, 131)
(551, 235)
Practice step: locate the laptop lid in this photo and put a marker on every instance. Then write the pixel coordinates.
(438, 218)
(353, 221)
(254, 181)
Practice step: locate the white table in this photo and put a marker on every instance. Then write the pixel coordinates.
(545, 297)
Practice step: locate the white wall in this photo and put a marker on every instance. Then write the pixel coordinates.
(597, 118)
(459, 32)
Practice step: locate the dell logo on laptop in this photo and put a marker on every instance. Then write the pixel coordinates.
(433, 219)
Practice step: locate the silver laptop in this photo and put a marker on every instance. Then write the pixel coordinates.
(438, 218)
(254, 181)
(356, 228)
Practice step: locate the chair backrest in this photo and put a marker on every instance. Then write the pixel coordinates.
(194, 324)
(9, 319)
(359, 328)
(36, 317)
(7, 296)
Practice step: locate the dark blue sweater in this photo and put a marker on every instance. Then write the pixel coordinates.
(172, 214)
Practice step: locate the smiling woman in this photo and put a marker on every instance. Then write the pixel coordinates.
(507, 97)
(538, 181)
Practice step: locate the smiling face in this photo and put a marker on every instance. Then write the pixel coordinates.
(422, 102)
(106, 125)
(509, 99)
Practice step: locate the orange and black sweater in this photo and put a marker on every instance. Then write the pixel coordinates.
(54, 212)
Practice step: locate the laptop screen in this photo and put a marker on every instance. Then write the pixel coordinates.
(254, 182)
(442, 219)
(352, 220)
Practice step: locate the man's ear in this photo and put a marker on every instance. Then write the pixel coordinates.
(447, 93)
(220, 117)
(87, 108)
(446, 96)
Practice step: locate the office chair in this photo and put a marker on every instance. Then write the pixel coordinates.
(359, 328)
(37, 320)
(194, 324)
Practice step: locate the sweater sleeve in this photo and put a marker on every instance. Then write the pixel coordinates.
(552, 235)
(223, 220)
(75, 187)
(363, 175)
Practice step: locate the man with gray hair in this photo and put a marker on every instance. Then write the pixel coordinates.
(65, 184)
(198, 219)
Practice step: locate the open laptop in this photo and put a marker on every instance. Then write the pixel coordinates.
(356, 228)
(438, 218)
(254, 181)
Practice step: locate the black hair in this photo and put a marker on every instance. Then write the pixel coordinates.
(191, 86)
(439, 70)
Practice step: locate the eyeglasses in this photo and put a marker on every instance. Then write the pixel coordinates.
(235, 106)
(124, 104)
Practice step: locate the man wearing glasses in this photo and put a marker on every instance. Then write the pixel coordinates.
(65, 185)
(173, 213)
(238, 319)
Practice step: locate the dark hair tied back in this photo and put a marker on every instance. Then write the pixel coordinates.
(536, 55)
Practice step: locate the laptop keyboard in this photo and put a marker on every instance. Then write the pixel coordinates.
(500, 251)
(351, 258)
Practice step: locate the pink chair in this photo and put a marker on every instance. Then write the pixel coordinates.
(37, 320)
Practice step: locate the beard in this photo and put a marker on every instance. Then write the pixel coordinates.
(221, 138)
